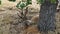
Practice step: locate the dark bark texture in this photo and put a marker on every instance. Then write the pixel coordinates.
(47, 17)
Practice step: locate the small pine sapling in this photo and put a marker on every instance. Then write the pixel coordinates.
(21, 5)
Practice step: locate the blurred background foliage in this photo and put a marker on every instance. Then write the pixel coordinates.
(0, 2)
(12, 0)
(42, 1)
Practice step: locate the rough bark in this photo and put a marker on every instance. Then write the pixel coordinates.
(47, 17)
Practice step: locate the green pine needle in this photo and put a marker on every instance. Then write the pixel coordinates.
(40, 1)
(23, 4)
(29, 2)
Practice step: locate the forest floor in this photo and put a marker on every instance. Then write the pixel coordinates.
(8, 10)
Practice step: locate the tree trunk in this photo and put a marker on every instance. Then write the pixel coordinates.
(47, 17)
